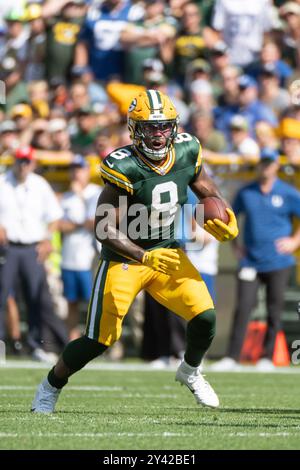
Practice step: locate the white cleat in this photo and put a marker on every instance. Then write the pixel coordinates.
(265, 365)
(203, 392)
(45, 398)
(226, 364)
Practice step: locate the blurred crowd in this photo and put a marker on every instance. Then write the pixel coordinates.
(70, 68)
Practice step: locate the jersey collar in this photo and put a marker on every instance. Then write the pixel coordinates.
(162, 168)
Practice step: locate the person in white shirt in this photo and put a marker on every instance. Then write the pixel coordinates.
(78, 247)
(29, 213)
(242, 26)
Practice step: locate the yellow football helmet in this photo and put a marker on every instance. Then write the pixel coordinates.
(152, 112)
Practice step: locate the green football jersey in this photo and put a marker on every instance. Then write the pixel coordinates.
(154, 191)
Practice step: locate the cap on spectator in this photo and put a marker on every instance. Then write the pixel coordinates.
(289, 8)
(270, 70)
(15, 14)
(239, 122)
(56, 125)
(153, 64)
(269, 154)
(200, 65)
(8, 126)
(24, 153)
(245, 81)
(289, 128)
(33, 11)
(79, 162)
(201, 86)
(219, 48)
(21, 110)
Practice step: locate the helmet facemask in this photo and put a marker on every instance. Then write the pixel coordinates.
(148, 134)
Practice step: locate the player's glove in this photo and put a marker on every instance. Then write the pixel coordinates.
(164, 260)
(223, 232)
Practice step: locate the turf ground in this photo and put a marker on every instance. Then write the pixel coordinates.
(146, 409)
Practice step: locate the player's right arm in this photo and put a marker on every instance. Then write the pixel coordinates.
(111, 208)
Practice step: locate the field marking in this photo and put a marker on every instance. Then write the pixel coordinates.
(81, 388)
(97, 434)
(263, 434)
(127, 367)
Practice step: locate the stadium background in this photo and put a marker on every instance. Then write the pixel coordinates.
(230, 168)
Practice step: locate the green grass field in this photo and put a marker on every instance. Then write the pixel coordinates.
(148, 410)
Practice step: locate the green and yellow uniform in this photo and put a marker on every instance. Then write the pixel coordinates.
(160, 187)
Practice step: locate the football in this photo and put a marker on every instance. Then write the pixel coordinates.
(214, 208)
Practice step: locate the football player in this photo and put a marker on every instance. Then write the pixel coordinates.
(151, 176)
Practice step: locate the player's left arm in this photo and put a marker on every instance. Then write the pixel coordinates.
(203, 186)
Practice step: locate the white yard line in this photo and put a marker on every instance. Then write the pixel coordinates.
(97, 434)
(138, 367)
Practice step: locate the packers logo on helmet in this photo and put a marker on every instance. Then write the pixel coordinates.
(153, 123)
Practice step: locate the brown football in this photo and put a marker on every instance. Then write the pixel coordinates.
(214, 208)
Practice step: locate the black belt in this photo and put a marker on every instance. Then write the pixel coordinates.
(22, 245)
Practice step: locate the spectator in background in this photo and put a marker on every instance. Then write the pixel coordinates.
(104, 143)
(248, 106)
(29, 212)
(59, 134)
(40, 137)
(266, 256)
(242, 26)
(83, 140)
(190, 42)
(22, 115)
(36, 50)
(271, 94)
(290, 13)
(241, 143)
(63, 21)
(201, 95)
(8, 138)
(265, 135)
(202, 248)
(38, 92)
(78, 249)
(99, 43)
(220, 63)
(15, 42)
(270, 57)
(230, 87)
(198, 69)
(15, 87)
(79, 96)
(202, 127)
(150, 37)
(289, 131)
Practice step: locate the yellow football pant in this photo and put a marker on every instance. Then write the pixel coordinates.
(117, 284)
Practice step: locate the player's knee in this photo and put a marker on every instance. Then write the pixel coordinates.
(81, 351)
(204, 323)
